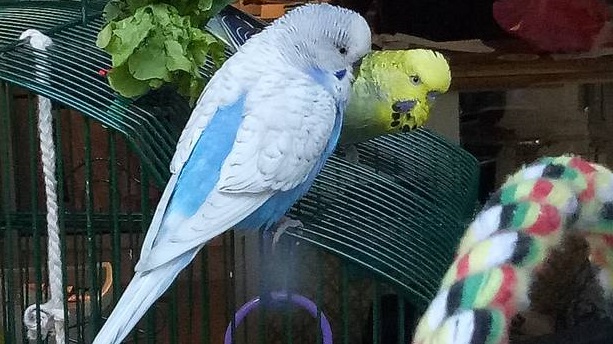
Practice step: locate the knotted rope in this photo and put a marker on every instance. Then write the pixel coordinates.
(489, 281)
(51, 312)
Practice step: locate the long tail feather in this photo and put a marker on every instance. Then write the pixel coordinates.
(144, 289)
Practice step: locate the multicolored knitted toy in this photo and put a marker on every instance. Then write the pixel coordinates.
(489, 280)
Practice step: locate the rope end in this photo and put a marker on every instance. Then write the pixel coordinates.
(38, 40)
(49, 316)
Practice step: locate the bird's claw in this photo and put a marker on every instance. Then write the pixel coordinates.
(282, 226)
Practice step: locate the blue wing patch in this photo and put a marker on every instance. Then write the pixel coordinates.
(201, 171)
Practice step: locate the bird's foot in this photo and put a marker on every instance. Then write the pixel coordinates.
(282, 226)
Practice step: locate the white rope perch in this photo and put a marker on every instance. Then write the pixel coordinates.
(51, 312)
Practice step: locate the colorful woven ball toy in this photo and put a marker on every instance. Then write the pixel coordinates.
(489, 280)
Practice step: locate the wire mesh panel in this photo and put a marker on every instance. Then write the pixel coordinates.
(378, 233)
(107, 198)
(104, 189)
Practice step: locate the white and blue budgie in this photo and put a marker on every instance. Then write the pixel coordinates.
(260, 133)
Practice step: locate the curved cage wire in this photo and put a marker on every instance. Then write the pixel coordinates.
(385, 226)
(393, 238)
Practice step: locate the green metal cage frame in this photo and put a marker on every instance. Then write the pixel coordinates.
(398, 213)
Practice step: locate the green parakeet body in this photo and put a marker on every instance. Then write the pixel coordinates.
(394, 91)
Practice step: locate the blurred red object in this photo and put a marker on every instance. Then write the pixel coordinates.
(556, 25)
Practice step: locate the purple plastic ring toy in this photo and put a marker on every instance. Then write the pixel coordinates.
(281, 296)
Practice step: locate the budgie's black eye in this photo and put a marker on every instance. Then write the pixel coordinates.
(342, 50)
(415, 79)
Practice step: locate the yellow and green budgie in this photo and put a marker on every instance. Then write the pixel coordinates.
(393, 92)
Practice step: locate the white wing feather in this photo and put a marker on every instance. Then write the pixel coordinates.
(158, 216)
(287, 122)
(220, 212)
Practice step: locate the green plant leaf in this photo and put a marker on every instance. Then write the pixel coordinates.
(156, 83)
(163, 14)
(189, 86)
(217, 52)
(175, 32)
(144, 65)
(131, 32)
(175, 57)
(205, 5)
(158, 42)
(112, 10)
(104, 36)
(196, 87)
(199, 46)
(125, 84)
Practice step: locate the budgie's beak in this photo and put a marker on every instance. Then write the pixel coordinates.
(403, 106)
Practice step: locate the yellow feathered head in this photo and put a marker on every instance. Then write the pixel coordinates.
(404, 83)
